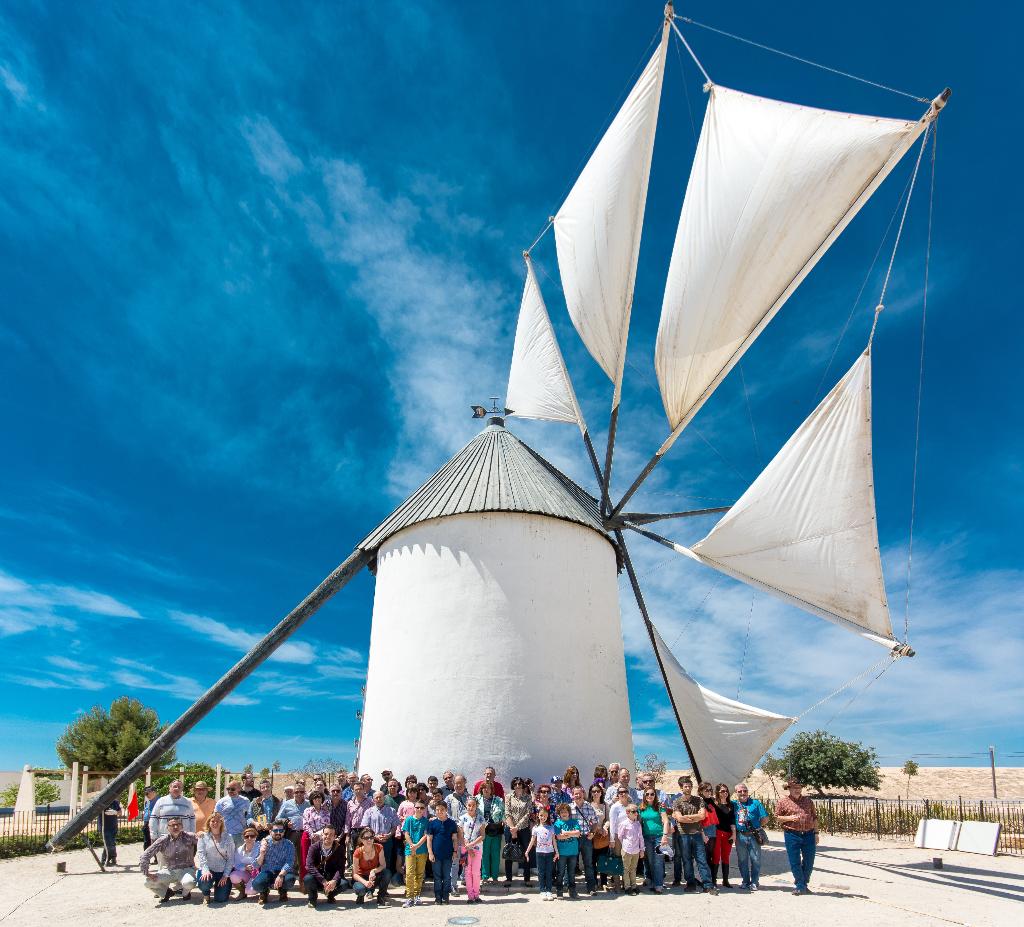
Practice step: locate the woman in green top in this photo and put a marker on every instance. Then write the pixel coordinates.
(493, 810)
(654, 823)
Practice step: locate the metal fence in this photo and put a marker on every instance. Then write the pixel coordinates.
(23, 833)
(895, 818)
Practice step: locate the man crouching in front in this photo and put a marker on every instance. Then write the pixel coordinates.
(276, 864)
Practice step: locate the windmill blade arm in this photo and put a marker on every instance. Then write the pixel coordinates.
(627, 519)
(213, 696)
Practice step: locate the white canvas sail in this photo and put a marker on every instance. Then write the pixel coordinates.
(597, 230)
(538, 382)
(805, 529)
(727, 737)
(772, 186)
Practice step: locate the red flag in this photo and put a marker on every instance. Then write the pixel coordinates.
(133, 804)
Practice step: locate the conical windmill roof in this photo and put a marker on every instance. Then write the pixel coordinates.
(495, 472)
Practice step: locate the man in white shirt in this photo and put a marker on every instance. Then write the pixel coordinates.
(172, 805)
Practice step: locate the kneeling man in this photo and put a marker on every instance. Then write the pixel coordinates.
(176, 853)
(325, 866)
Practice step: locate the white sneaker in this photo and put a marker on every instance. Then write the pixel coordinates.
(408, 903)
(754, 886)
(417, 900)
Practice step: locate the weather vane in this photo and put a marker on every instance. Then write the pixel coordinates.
(483, 411)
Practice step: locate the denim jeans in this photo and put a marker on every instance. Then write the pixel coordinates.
(220, 892)
(545, 871)
(692, 846)
(797, 846)
(567, 873)
(264, 882)
(380, 886)
(587, 852)
(748, 858)
(655, 862)
(442, 879)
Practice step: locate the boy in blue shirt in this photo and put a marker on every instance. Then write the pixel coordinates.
(415, 830)
(443, 850)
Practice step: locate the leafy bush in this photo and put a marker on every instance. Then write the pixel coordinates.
(823, 761)
(46, 791)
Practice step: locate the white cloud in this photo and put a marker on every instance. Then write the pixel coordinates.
(136, 675)
(26, 607)
(237, 639)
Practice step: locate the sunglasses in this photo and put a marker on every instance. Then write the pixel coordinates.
(545, 791)
(631, 812)
(277, 830)
(421, 807)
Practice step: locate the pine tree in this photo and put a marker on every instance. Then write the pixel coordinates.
(105, 740)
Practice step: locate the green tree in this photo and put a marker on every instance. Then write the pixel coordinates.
(46, 791)
(823, 761)
(910, 769)
(109, 741)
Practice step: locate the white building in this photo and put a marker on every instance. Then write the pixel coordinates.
(496, 635)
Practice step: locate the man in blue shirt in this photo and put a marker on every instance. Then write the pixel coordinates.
(750, 817)
(277, 864)
(235, 811)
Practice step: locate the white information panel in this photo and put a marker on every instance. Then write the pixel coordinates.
(933, 834)
(978, 837)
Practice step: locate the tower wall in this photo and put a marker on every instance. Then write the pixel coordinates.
(496, 641)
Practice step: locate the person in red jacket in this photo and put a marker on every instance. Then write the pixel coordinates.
(489, 775)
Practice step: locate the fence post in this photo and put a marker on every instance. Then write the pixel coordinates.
(927, 809)
(878, 820)
(85, 787)
(217, 793)
(47, 820)
(149, 775)
(73, 790)
(981, 811)
(961, 800)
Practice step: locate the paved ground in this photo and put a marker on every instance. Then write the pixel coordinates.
(857, 882)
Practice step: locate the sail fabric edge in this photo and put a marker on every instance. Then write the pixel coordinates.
(727, 736)
(746, 236)
(599, 225)
(805, 529)
(539, 385)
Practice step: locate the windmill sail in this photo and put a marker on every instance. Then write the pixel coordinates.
(772, 186)
(727, 737)
(538, 383)
(805, 529)
(597, 229)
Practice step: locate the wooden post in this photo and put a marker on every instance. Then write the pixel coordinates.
(85, 788)
(149, 775)
(217, 787)
(878, 820)
(209, 700)
(992, 762)
(73, 789)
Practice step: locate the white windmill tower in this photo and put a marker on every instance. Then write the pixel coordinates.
(499, 554)
(498, 577)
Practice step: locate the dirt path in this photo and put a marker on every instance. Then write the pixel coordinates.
(857, 882)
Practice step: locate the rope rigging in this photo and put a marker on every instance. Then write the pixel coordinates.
(920, 391)
(899, 234)
(776, 51)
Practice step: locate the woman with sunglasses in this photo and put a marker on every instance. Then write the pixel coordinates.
(599, 834)
(244, 868)
(215, 856)
(725, 835)
(518, 815)
(655, 826)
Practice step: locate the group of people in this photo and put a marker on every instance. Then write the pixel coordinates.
(348, 836)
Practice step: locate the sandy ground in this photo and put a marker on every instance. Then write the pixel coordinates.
(856, 882)
(932, 782)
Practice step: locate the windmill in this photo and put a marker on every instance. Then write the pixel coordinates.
(499, 533)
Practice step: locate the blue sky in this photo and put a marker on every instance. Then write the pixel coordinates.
(256, 262)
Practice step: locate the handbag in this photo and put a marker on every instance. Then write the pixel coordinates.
(512, 852)
(494, 829)
(761, 836)
(600, 839)
(610, 865)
